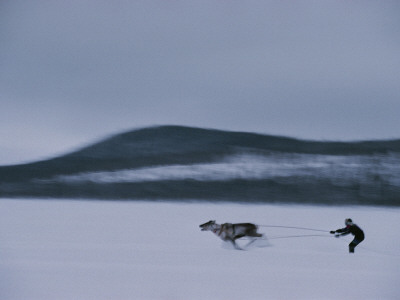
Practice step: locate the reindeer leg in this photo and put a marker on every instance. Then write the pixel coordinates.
(238, 237)
(234, 244)
(254, 235)
(251, 242)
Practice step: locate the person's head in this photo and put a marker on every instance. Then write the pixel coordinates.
(348, 222)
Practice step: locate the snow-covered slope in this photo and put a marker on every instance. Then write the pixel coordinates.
(155, 250)
(175, 162)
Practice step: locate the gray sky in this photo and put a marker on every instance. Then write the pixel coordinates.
(74, 72)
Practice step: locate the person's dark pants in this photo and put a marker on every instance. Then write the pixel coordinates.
(355, 242)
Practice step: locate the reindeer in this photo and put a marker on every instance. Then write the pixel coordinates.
(231, 232)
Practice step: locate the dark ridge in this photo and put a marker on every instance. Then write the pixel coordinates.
(169, 145)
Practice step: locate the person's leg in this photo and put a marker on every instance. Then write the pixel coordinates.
(353, 244)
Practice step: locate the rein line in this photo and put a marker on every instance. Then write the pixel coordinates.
(294, 227)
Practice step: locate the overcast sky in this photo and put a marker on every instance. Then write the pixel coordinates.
(73, 72)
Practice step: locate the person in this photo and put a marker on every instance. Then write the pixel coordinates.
(354, 230)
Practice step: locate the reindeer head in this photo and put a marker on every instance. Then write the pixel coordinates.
(207, 226)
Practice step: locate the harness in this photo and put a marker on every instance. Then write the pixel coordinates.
(215, 228)
(219, 229)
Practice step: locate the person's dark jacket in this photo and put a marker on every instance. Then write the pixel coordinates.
(354, 230)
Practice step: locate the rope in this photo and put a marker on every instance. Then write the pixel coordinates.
(293, 227)
(296, 236)
(288, 236)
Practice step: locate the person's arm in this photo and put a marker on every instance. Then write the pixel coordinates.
(341, 231)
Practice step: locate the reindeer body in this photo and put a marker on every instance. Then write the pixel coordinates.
(231, 232)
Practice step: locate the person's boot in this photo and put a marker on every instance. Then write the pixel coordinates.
(351, 249)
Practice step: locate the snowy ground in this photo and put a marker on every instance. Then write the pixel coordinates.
(52, 249)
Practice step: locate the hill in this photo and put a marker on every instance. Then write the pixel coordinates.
(302, 171)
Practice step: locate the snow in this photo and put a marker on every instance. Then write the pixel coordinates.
(68, 249)
(342, 169)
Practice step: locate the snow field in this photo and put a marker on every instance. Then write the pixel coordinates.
(64, 249)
